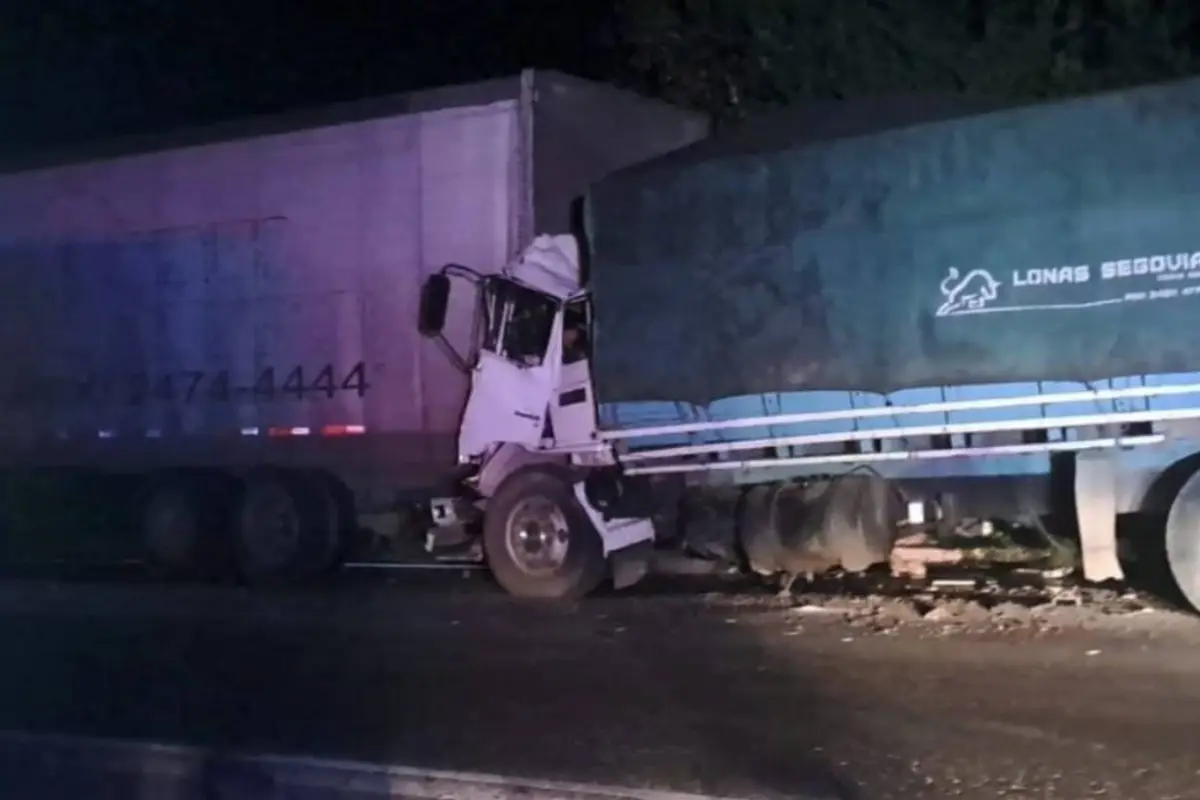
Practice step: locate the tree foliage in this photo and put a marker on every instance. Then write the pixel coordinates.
(733, 56)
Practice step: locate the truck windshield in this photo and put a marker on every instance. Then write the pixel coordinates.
(519, 321)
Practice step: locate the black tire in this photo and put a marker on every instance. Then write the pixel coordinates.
(283, 530)
(580, 570)
(184, 521)
(342, 520)
(1182, 538)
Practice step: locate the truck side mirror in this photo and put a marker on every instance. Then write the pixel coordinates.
(435, 299)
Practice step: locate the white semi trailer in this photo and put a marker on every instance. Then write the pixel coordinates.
(212, 336)
(841, 334)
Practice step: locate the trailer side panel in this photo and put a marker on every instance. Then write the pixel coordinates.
(1004, 247)
(251, 300)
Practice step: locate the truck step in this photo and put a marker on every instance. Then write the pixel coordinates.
(470, 552)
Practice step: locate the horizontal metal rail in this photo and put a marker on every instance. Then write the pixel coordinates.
(883, 434)
(878, 412)
(854, 459)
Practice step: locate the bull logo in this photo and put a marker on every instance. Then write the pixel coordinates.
(964, 295)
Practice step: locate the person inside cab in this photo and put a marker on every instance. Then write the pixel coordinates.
(575, 346)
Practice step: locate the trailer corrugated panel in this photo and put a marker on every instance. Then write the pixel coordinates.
(220, 293)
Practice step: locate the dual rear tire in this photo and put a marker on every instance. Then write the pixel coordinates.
(274, 527)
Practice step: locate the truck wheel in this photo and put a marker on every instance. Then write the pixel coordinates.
(538, 542)
(1183, 540)
(342, 519)
(283, 528)
(183, 523)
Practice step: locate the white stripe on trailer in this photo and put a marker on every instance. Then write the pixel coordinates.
(329, 431)
(1045, 423)
(873, 412)
(854, 459)
(299, 430)
(167, 770)
(343, 430)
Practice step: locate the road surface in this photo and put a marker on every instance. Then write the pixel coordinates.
(725, 695)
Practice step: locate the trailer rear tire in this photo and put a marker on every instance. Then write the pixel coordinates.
(184, 518)
(538, 541)
(1183, 540)
(342, 520)
(284, 531)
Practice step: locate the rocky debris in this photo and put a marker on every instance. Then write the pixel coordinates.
(985, 608)
(957, 612)
(965, 600)
(1011, 613)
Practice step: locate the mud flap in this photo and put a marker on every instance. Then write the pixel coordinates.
(847, 522)
(631, 565)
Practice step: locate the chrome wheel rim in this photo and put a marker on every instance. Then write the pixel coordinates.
(537, 535)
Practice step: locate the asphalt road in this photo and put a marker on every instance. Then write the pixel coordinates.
(683, 693)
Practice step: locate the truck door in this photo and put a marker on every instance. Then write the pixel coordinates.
(573, 412)
(517, 370)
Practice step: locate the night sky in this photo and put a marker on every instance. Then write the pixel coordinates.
(82, 70)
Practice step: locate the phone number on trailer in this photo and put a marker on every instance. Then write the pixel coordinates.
(192, 386)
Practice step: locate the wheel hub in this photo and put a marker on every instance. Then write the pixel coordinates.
(538, 535)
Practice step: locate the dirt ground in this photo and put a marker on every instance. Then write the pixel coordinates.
(730, 691)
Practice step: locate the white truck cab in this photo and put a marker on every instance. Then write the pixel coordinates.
(530, 384)
(529, 436)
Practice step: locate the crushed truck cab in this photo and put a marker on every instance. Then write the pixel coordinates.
(545, 513)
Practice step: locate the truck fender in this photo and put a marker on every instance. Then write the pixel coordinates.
(507, 460)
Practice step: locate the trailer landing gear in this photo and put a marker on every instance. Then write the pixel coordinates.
(1096, 478)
